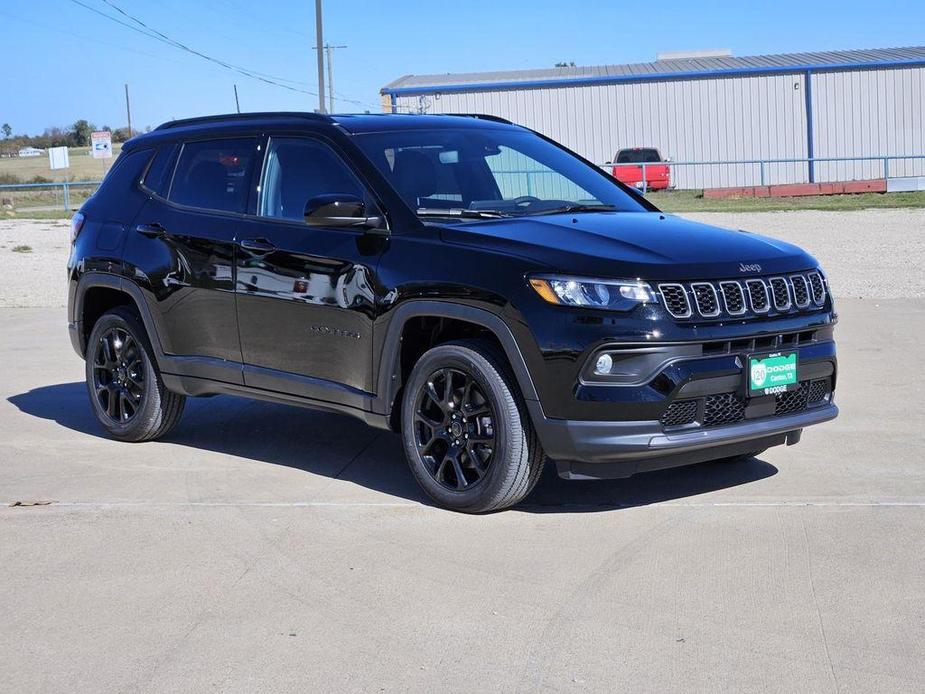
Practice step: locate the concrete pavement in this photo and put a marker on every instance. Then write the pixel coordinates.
(266, 548)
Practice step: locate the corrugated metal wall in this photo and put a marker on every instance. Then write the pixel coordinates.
(869, 113)
(722, 119)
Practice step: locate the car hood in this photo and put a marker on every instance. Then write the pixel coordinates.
(648, 245)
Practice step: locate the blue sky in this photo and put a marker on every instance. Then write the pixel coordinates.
(62, 62)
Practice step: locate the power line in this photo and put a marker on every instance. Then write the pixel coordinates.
(152, 33)
(177, 44)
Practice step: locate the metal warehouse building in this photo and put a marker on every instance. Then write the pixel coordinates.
(800, 106)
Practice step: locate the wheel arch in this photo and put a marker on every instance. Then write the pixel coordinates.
(98, 292)
(471, 320)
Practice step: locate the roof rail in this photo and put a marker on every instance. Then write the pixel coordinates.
(482, 116)
(243, 116)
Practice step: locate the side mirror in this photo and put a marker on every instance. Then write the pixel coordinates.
(339, 210)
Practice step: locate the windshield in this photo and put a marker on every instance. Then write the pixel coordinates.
(489, 172)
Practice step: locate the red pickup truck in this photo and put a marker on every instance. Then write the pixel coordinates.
(628, 168)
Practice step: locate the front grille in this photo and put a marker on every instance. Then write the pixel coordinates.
(818, 288)
(800, 290)
(734, 298)
(818, 391)
(758, 295)
(791, 401)
(750, 298)
(729, 408)
(725, 408)
(679, 413)
(675, 298)
(706, 299)
(781, 293)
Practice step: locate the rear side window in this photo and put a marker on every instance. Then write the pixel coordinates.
(642, 155)
(124, 174)
(214, 174)
(158, 174)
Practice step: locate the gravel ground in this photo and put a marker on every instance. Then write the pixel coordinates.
(867, 254)
(35, 277)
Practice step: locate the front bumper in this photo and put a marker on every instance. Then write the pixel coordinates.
(608, 450)
(688, 409)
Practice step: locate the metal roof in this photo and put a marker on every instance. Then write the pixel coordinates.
(659, 70)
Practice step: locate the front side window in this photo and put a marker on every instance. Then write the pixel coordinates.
(489, 171)
(214, 174)
(298, 170)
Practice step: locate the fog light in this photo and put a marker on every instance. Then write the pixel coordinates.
(604, 364)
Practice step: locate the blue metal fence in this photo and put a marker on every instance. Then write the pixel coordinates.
(548, 184)
(761, 172)
(62, 192)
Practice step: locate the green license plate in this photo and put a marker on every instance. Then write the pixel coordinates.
(769, 374)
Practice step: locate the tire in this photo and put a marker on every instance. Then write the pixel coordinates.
(498, 460)
(125, 387)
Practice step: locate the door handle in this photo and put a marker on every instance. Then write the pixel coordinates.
(152, 231)
(261, 246)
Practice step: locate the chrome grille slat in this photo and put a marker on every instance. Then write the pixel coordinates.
(800, 290)
(676, 299)
(746, 297)
(733, 298)
(758, 296)
(780, 291)
(818, 288)
(706, 298)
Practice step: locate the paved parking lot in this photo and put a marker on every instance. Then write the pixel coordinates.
(265, 548)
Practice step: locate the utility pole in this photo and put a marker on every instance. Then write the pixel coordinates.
(319, 44)
(237, 104)
(330, 51)
(128, 111)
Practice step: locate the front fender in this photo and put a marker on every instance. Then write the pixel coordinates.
(389, 380)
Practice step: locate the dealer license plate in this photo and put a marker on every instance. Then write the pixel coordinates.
(770, 374)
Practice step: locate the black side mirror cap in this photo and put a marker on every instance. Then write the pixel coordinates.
(340, 210)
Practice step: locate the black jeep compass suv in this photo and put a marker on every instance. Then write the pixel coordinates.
(461, 280)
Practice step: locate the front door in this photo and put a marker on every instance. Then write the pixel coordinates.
(305, 294)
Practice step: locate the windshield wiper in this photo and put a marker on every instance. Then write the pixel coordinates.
(459, 212)
(577, 207)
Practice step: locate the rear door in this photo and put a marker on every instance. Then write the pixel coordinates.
(185, 245)
(306, 295)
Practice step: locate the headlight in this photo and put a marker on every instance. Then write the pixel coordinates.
(615, 295)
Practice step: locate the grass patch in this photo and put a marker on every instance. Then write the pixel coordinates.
(40, 214)
(22, 249)
(83, 167)
(693, 201)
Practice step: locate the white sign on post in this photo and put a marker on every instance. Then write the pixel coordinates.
(101, 144)
(57, 158)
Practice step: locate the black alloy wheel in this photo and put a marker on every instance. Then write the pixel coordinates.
(127, 392)
(119, 375)
(454, 429)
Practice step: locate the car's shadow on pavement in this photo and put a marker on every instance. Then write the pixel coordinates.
(338, 446)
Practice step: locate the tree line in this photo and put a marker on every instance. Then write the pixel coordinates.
(76, 135)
